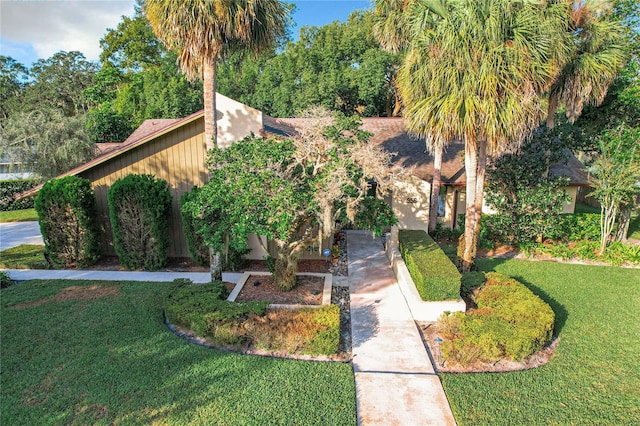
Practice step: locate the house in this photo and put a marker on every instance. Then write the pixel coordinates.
(174, 150)
(410, 200)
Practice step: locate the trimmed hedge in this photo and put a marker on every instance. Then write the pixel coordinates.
(509, 322)
(433, 273)
(10, 188)
(139, 207)
(198, 250)
(67, 214)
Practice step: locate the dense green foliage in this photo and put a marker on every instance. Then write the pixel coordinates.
(67, 214)
(339, 66)
(616, 253)
(204, 310)
(198, 250)
(139, 207)
(520, 188)
(113, 360)
(10, 188)
(291, 190)
(592, 378)
(46, 141)
(435, 276)
(509, 321)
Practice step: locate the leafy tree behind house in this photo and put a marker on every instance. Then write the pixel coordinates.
(528, 200)
(292, 191)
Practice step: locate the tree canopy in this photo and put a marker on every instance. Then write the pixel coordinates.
(293, 191)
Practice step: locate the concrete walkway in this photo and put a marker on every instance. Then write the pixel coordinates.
(16, 233)
(395, 380)
(73, 274)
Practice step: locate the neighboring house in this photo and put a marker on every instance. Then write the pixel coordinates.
(174, 150)
(12, 170)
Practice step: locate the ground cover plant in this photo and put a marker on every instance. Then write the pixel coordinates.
(509, 321)
(98, 352)
(594, 377)
(25, 256)
(204, 310)
(24, 215)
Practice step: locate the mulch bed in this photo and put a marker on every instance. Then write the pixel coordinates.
(308, 291)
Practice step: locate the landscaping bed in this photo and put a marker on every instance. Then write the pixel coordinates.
(308, 290)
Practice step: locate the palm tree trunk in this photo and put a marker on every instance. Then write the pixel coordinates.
(551, 111)
(209, 83)
(480, 176)
(210, 138)
(435, 188)
(470, 166)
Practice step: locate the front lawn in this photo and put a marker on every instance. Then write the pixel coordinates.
(99, 352)
(18, 215)
(25, 256)
(594, 377)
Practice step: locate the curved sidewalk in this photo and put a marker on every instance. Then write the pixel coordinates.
(395, 380)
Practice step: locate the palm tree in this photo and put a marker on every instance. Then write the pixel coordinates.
(595, 58)
(394, 28)
(204, 31)
(475, 73)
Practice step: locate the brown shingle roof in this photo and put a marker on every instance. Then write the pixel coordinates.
(410, 151)
(149, 127)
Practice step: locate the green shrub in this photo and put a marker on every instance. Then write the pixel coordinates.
(509, 322)
(10, 188)
(203, 310)
(139, 207)
(198, 250)
(5, 279)
(435, 277)
(576, 227)
(471, 281)
(67, 214)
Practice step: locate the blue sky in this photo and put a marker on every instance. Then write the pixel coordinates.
(32, 30)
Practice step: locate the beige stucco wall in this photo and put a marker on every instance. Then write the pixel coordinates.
(235, 120)
(570, 207)
(410, 203)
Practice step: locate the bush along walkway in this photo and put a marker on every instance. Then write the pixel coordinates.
(395, 381)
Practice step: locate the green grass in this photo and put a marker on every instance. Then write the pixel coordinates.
(25, 256)
(594, 377)
(112, 360)
(18, 215)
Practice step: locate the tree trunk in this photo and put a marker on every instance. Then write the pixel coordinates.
(623, 223)
(286, 267)
(209, 83)
(551, 111)
(480, 176)
(435, 188)
(470, 166)
(210, 139)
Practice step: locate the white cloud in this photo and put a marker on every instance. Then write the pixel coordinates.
(50, 26)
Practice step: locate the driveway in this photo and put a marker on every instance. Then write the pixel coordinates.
(16, 233)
